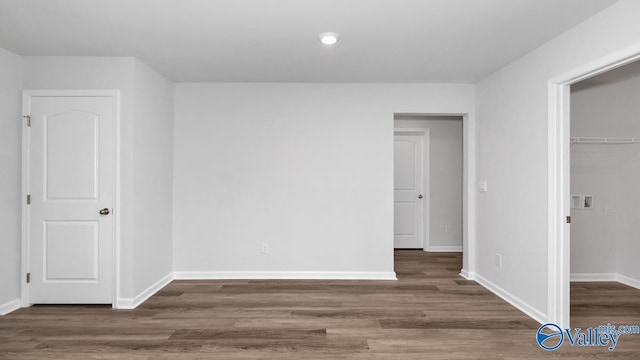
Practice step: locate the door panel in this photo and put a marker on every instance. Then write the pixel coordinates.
(71, 156)
(409, 219)
(71, 163)
(71, 250)
(405, 165)
(405, 218)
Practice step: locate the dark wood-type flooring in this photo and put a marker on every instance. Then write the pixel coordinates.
(429, 313)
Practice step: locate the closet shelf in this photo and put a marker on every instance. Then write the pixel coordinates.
(604, 140)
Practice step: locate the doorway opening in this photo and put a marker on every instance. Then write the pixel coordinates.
(559, 176)
(605, 166)
(428, 182)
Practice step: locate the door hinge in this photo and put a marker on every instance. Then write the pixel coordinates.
(568, 219)
(28, 117)
(28, 278)
(28, 199)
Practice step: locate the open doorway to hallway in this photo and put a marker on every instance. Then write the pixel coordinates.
(428, 182)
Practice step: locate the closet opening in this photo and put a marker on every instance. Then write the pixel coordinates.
(605, 198)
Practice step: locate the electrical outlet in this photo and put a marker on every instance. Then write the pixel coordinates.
(265, 248)
(482, 186)
(498, 260)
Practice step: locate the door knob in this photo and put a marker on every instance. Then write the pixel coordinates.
(420, 196)
(104, 211)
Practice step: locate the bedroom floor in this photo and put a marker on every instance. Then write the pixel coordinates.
(429, 313)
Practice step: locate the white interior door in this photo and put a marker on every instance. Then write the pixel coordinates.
(409, 196)
(71, 164)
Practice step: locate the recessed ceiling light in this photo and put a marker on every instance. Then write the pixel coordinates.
(328, 38)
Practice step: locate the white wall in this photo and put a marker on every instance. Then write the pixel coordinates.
(445, 177)
(153, 177)
(512, 154)
(605, 240)
(10, 194)
(145, 158)
(593, 233)
(626, 217)
(306, 168)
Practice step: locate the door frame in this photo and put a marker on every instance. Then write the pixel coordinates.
(559, 157)
(469, 172)
(26, 183)
(426, 138)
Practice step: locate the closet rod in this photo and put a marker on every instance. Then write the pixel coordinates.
(604, 140)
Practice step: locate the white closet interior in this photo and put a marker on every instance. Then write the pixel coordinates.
(605, 173)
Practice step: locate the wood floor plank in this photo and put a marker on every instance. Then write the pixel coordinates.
(429, 313)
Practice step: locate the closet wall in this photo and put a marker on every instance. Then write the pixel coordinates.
(605, 239)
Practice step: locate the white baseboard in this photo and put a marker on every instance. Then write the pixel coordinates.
(593, 277)
(529, 310)
(467, 275)
(10, 306)
(283, 275)
(635, 283)
(606, 277)
(444, 248)
(132, 303)
(124, 304)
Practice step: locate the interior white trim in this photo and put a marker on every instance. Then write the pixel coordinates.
(282, 275)
(588, 277)
(467, 275)
(469, 194)
(468, 187)
(26, 99)
(558, 140)
(635, 283)
(132, 303)
(26, 145)
(558, 208)
(116, 204)
(10, 306)
(438, 248)
(529, 310)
